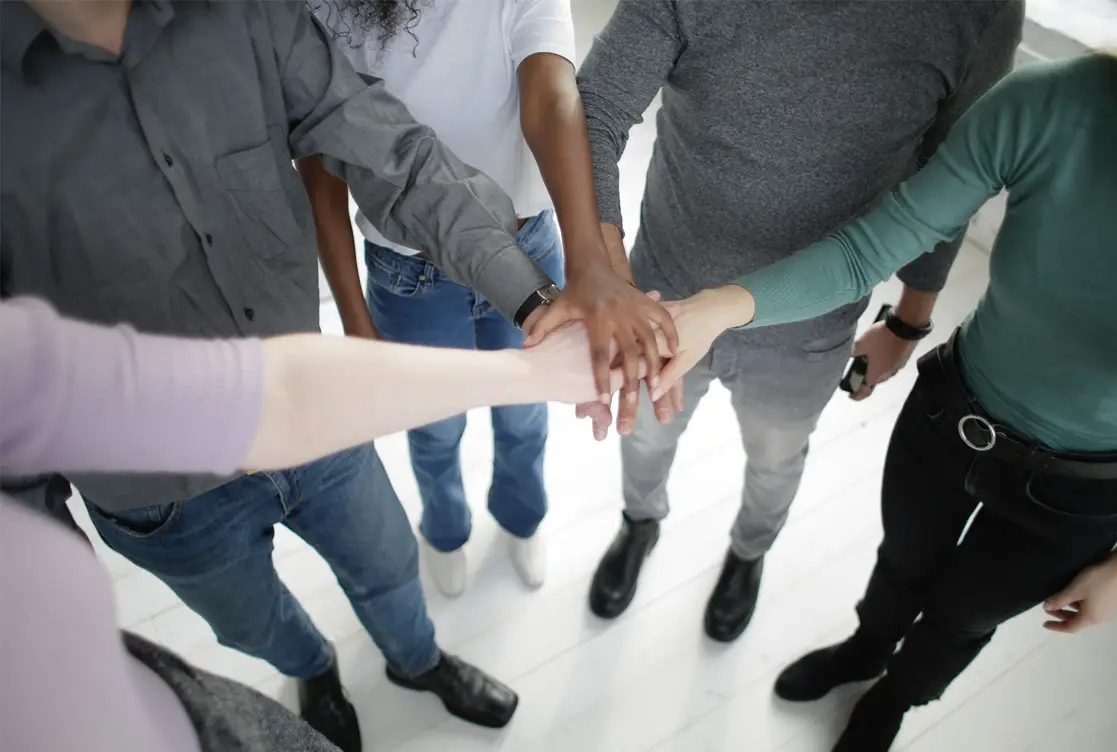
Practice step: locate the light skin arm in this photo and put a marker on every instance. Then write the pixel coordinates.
(554, 127)
(329, 200)
(317, 399)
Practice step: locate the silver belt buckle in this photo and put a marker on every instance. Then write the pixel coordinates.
(984, 423)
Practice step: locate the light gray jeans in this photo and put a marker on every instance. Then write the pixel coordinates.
(778, 394)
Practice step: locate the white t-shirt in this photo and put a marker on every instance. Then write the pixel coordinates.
(460, 79)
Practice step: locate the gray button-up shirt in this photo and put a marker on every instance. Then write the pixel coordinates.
(159, 189)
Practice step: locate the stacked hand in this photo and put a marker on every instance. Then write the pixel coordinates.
(630, 337)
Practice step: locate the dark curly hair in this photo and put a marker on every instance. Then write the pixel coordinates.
(356, 20)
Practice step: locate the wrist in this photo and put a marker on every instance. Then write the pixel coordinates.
(731, 306)
(915, 307)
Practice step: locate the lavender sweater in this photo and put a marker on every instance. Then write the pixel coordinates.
(69, 681)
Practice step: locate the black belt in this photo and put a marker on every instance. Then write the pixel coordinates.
(981, 432)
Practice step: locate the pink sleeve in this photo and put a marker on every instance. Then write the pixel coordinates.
(78, 397)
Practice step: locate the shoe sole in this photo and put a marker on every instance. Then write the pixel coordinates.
(405, 683)
(597, 609)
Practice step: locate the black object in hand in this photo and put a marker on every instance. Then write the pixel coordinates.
(854, 377)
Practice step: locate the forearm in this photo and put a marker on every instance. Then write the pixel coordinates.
(554, 127)
(407, 183)
(329, 201)
(318, 389)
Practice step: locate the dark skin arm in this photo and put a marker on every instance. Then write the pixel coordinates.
(599, 287)
(329, 200)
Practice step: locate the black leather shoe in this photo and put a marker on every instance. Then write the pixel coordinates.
(322, 704)
(614, 582)
(875, 723)
(466, 691)
(815, 674)
(734, 598)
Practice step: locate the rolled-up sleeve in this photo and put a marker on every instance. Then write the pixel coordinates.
(410, 186)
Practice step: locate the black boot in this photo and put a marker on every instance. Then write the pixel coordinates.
(614, 582)
(323, 705)
(815, 674)
(466, 691)
(734, 598)
(875, 722)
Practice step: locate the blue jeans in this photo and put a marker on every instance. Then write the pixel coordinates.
(215, 552)
(412, 301)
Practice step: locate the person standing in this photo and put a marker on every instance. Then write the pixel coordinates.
(495, 80)
(780, 122)
(163, 195)
(1000, 484)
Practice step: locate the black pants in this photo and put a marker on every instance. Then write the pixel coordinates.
(1032, 536)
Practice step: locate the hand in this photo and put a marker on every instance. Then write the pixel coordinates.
(699, 320)
(622, 322)
(601, 416)
(886, 354)
(561, 364)
(1091, 599)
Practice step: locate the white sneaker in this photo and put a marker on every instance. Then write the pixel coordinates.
(529, 558)
(447, 569)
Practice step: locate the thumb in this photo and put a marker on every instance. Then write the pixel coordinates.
(553, 318)
(1068, 597)
(671, 374)
(655, 295)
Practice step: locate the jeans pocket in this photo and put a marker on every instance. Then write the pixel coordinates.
(405, 276)
(144, 522)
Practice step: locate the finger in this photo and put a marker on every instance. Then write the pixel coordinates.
(601, 341)
(859, 346)
(552, 318)
(665, 408)
(1066, 627)
(666, 324)
(647, 340)
(1071, 597)
(655, 295)
(631, 364)
(677, 397)
(671, 375)
(863, 393)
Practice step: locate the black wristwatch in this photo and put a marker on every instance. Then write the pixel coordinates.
(903, 329)
(542, 296)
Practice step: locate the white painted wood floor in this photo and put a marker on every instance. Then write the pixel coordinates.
(651, 680)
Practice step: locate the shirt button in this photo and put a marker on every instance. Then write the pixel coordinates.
(250, 314)
(167, 159)
(209, 239)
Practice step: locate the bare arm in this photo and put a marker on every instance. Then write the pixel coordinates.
(81, 397)
(329, 200)
(614, 310)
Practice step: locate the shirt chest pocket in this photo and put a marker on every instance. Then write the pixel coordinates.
(255, 189)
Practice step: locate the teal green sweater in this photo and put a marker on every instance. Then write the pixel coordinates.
(1040, 349)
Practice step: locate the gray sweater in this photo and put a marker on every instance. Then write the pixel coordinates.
(781, 122)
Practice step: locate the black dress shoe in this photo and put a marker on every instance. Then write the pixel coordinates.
(734, 598)
(322, 704)
(815, 674)
(614, 582)
(875, 722)
(466, 691)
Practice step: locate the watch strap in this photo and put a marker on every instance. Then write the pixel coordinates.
(903, 329)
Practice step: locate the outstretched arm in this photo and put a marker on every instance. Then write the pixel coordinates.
(992, 146)
(208, 406)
